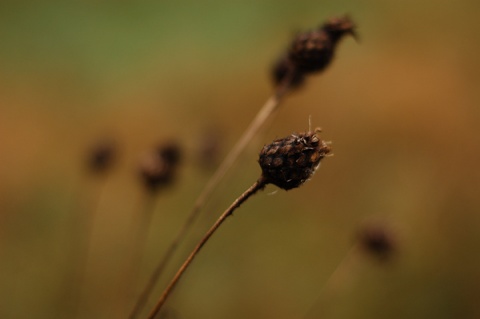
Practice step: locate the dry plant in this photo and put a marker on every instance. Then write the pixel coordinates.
(309, 52)
(157, 170)
(286, 163)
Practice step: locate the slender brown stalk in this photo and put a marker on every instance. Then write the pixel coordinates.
(334, 281)
(141, 225)
(270, 106)
(258, 185)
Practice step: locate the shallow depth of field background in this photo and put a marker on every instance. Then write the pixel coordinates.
(401, 108)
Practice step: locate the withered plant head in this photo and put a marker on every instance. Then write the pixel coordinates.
(284, 70)
(289, 162)
(102, 156)
(171, 152)
(377, 240)
(158, 168)
(312, 51)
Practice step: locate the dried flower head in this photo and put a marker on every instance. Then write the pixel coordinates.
(101, 156)
(313, 50)
(158, 168)
(155, 171)
(170, 152)
(377, 240)
(284, 70)
(290, 161)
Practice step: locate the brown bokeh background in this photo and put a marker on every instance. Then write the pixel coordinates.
(400, 106)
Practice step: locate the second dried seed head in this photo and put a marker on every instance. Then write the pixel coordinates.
(290, 161)
(312, 51)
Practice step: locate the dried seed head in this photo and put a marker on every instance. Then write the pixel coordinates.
(155, 171)
(377, 240)
(158, 168)
(290, 161)
(284, 70)
(170, 152)
(101, 156)
(313, 50)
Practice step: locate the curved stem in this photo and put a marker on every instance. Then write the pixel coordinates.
(258, 185)
(265, 112)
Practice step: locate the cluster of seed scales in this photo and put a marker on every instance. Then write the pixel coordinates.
(290, 161)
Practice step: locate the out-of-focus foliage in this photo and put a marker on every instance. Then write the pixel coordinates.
(401, 108)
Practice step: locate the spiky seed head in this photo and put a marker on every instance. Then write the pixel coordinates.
(290, 161)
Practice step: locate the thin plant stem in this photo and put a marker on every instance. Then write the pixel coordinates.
(258, 185)
(270, 106)
(336, 278)
(139, 238)
(82, 224)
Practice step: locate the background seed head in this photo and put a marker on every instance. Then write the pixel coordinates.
(313, 50)
(290, 161)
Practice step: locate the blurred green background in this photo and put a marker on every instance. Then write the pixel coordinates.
(400, 106)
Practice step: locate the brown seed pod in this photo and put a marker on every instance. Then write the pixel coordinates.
(284, 70)
(377, 240)
(313, 50)
(290, 161)
(155, 171)
(170, 152)
(102, 156)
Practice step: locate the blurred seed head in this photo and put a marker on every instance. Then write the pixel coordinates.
(290, 161)
(170, 152)
(377, 240)
(313, 50)
(284, 70)
(102, 156)
(158, 167)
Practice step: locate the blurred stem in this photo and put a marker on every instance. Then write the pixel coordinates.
(265, 112)
(140, 233)
(258, 185)
(83, 222)
(335, 280)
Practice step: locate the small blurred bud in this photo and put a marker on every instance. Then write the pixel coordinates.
(155, 171)
(101, 156)
(377, 240)
(170, 152)
(158, 168)
(290, 161)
